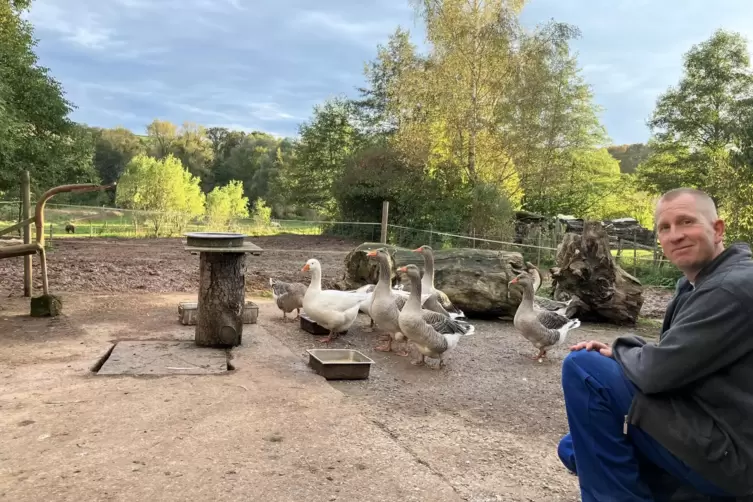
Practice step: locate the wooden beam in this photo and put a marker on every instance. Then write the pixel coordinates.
(18, 225)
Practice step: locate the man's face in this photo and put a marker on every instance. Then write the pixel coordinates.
(687, 236)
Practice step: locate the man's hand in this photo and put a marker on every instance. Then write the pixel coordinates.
(603, 348)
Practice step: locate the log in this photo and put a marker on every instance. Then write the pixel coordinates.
(222, 295)
(475, 280)
(586, 271)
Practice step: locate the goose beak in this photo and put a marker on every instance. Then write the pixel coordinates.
(371, 253)
(305, 268)
(402, 269)
(417, 250)
(513, 281)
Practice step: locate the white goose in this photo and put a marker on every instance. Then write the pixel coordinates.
(332, 309)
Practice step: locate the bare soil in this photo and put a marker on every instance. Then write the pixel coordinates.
(484, 428)
(162, 265)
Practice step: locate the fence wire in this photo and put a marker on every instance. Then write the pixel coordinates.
(540, 248)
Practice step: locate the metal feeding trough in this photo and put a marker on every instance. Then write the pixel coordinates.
(340, 364)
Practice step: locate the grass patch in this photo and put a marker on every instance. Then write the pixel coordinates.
(648, 327)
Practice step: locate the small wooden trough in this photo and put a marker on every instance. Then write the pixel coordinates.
(310, 326)
(187, 312)
(340, 364)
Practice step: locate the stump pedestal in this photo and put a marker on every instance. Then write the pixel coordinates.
(222, 287)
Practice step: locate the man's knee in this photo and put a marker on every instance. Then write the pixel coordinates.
(582, 363)
(566, 453)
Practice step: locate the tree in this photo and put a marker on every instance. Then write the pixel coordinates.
(225, 204)
(551, 124)
(325, 143)
(35, 131)
(695, 123)
(378, 108)
(630, 156)
(161, 134)
(113, 150)
(262, 214)
(165, 189)
(194, 149)
(452, 101)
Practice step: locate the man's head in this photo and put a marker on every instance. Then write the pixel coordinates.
(689, 229)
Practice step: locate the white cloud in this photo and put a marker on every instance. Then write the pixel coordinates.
(80, 28)
(362, 32)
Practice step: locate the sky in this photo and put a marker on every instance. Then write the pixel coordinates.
(263, 65)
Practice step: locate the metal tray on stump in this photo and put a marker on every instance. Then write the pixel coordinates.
(219, 242)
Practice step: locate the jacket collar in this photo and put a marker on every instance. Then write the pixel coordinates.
(737, 252)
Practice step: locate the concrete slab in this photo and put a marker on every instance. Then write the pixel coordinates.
(163, 358)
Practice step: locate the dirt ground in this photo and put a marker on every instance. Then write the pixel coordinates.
(162, 266)
(484, 428)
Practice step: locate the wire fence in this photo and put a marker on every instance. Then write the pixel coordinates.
(539, 247)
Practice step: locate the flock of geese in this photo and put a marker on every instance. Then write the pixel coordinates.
(424, 317)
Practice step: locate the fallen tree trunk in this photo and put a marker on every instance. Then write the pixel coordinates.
(586, 270)
(475, 280)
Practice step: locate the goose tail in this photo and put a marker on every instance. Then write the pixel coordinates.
(573, 324)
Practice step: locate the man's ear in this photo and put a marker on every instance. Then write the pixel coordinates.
(718, 231)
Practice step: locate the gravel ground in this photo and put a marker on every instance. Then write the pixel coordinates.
(488, 423)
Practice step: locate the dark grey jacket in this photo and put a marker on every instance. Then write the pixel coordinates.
(696, 384)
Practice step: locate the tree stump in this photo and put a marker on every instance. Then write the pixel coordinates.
(587, 273)
(222, 292)
(475, 280)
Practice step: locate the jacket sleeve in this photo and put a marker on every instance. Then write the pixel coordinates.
(711, 332)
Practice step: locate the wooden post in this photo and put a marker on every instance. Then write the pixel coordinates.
(538, 249)
(25, 215)
(385, 217)
(222, 291)
(635, 254)
(656, 251)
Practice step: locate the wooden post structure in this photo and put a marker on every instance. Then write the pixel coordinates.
(25, 215)
(385, 217)
(222, 286)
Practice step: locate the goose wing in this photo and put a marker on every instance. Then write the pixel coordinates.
(551, 320)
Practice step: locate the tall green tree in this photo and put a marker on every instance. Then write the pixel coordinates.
(325, 143)
(169, 193)
(630, 156)
(552, 128)
(453, 99)
(379, 107)
(36, 132)
(113, 150)
(695, 124)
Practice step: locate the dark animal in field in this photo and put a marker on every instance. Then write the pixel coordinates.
(70, 228)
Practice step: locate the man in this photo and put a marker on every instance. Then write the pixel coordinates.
(680, 409)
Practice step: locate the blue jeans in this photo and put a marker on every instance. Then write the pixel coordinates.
(610, 465)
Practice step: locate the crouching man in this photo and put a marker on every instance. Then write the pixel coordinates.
(672, 420)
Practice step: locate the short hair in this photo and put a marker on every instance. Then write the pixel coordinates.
(705, 203)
